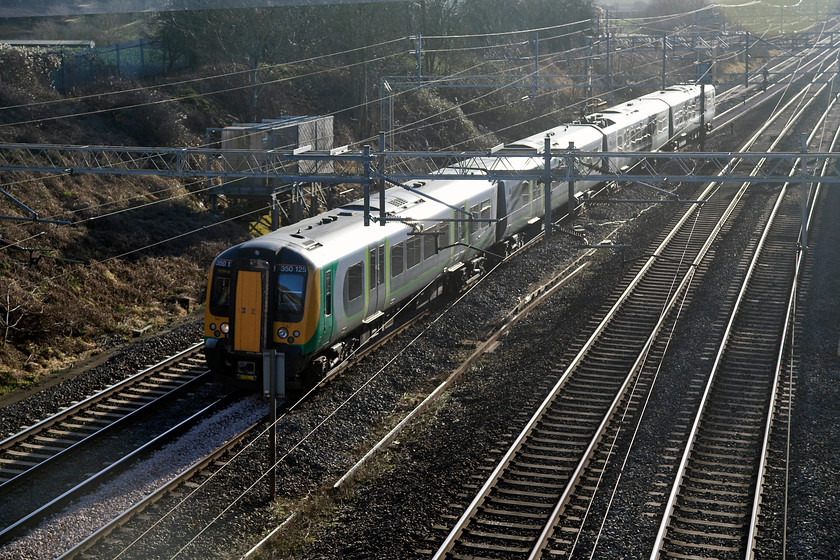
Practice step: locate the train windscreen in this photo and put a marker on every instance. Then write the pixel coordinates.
(220, 291)
(291, 292)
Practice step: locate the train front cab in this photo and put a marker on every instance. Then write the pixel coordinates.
(256, 304)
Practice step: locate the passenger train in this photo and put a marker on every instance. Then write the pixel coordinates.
(314, 290)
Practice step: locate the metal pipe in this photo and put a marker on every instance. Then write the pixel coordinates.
(547, 186)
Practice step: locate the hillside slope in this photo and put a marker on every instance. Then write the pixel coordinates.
(135, 246)
(138, 247)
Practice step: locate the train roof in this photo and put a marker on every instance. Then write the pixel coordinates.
(584, 136)
(635, 110)
(325, 237)
(675, 94)
(627, 113)
(334, 233)
(526, 154)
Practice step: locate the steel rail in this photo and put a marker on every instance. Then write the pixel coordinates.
(201, 465)
(522, 309)
(196, 468)
(64, 413)
(793, 119)
(780, 66)
(664, 525)
(537, 550)
(629, 290)
(88, 403)
(739, 111)
(456, 531)
(751, 537)
(52, 506)
(660, 537)
(677, 293)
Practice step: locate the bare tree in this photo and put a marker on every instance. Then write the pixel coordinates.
(16, 304)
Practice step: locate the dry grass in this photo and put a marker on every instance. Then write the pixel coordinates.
(67, 289)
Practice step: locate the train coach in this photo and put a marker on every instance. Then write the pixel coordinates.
(317, 289)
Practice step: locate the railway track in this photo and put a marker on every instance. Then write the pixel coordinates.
(714, 507)
(520, 501)
(598, 378)
(189, 480)
(535, 498)
(111, 537)
(105, 541)
(711, 502)
(754, 96)
(61, 457)
(22, 454)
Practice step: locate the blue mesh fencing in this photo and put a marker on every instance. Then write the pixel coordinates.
(136, 59)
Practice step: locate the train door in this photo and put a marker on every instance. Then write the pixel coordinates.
(459, 230)
(249, 313)
(501, 211)
(376, 278)
(537, 199)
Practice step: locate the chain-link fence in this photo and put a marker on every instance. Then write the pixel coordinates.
(133, 59)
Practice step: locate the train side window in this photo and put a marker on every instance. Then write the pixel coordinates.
(475, 212)
(355, 281)
(380, 271)
(376, 277)
(486, 211)
(413, 251)
(461, 227)
(526, 194)
(328, 293)
(429, 242)
(397, 259)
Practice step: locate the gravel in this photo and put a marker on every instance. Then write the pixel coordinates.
(64, 530)
(405, 511)
(91, 376)
(432, 471)
(330, 431)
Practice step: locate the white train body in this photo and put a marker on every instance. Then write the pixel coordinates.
(314, 289)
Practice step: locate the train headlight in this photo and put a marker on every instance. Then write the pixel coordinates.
(283, 332)
(225, 328)
(212, 326)
(296, 333)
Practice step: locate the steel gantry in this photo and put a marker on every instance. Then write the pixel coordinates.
(367, 167)
(654, 167)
